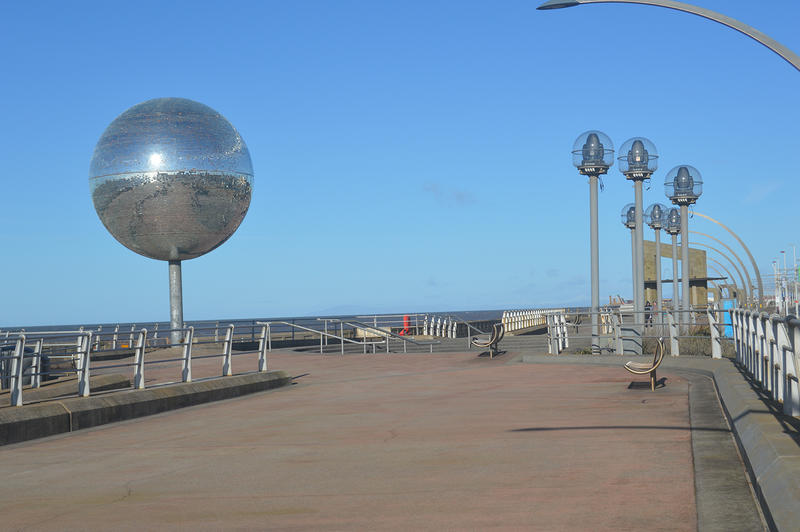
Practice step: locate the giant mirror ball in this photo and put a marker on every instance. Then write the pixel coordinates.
(171, 179)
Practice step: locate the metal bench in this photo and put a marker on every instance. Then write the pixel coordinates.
(642, 368)
(498, 331)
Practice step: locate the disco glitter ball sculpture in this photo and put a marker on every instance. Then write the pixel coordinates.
(171, 179)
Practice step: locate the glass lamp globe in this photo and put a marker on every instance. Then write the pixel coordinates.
(593, 153)
(683, 185)
(171, 179)
(629, 216)
(638, 158)
(656, 216)
(673, 225)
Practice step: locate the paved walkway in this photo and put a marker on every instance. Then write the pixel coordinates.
(377, 442)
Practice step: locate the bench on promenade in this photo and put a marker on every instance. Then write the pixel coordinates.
(498, 331)
(643, 368)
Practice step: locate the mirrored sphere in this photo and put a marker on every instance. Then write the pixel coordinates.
(171, 179)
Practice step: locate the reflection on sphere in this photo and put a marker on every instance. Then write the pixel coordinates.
(171, 179)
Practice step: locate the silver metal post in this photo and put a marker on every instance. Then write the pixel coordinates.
(639, 294)
(685, 268)
(634, 270)
(595, 263)
(186, 370)
(175, 301)
(658, 277)
(675, 294)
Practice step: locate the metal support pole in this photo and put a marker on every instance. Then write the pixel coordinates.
(634, 270)
(175, 301)
(227, 369)
(186, 373)
(675, 293)
(685, 268)
(262, 349)
(595, 258)
(84, 355)
(638, 231)
(17, 372)
(138, 360)
(657, 265)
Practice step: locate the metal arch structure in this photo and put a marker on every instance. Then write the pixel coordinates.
(730, 277)
(788, 55)
(736, 268)
(746, 250)
(735, 256)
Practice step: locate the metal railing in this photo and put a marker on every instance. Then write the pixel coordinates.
(623, 331)
(78, 348)
(767, 347)
(515, 320)
(324, 335)
(379, 332)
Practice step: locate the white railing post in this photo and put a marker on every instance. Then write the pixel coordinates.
(736, 324)
(227, 369)
(769, 358)
(186, 370)
(269, 337)
(716, 343)
(36, 367)
(138, 360)
(262, 348)
(115, 337)
(17, 364)
(674, 345)
(84, 356)
(793, 333)
(618, 347)
(791, 406)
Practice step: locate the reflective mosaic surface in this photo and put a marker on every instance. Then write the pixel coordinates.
(171, 179)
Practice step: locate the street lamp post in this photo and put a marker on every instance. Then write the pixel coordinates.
(637, 162)
(634, 345)
(656, 216)
(683, 186)
(593, 155)
(673, 227)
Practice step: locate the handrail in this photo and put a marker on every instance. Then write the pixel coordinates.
(315, 331)
(382, 332)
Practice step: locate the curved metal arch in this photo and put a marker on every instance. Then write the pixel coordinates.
(735, 256)
(785, 53)
(746, 250)
(730, 276)
(736, 268)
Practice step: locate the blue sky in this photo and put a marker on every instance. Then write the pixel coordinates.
(409, 156)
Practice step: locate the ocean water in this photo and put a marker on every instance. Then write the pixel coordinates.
(382, 320)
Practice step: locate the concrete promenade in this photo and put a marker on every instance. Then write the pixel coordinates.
(395, 442)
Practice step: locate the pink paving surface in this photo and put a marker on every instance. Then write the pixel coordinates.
(377, 442)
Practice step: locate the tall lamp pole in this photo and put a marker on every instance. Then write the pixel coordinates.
(656, 216)
(593, 155)
(637, 162)
(683, 186)
(673, 227)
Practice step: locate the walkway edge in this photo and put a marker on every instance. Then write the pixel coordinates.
(55, 417)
